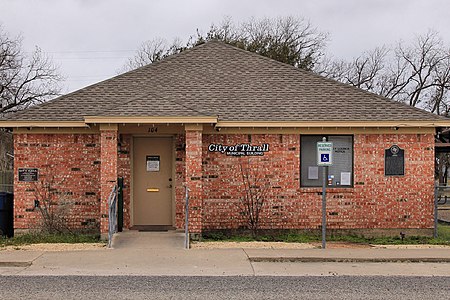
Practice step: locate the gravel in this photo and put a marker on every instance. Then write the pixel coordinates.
(56, 247)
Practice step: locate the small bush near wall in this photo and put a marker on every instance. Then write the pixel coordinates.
(254, 189)
(55, 209)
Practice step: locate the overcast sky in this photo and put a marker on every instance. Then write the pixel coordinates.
(91, 39)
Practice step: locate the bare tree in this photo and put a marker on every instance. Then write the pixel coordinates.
(422, 60)
(53, 206)
(290, 40)
(255, 189)
(152, 51)
(24, 80)
(439, 101)
(365, 71)
(226, 32)
(417, 73)
(6, 151)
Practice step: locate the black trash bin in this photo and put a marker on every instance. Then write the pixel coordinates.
(6, 214)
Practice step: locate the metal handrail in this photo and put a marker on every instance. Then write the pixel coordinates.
(186, 220)
(112, 216)
(443, 194)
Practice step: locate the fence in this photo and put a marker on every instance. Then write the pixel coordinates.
(441, 206)
(443, 195)
(6, 181)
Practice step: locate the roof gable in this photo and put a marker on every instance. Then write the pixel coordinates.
(215, 79)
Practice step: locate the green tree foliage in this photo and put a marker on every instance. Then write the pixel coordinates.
(289, 40)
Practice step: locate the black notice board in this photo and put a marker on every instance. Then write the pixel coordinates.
(28, 174)
(394, 161)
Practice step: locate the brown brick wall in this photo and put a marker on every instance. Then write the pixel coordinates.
(193, 173)
(180, 177)
(108, 173)
(124, 170)
(376, 201)
(71, 163)
(392, 201)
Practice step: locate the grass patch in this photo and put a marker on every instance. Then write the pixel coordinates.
(38, 238)
(443, 238)
(288, 237)
(444, 231)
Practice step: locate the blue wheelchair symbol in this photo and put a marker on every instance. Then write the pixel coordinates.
(325, 157)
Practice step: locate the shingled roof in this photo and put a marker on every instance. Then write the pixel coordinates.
(222, 81)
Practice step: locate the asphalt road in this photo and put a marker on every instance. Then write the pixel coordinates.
(132, 287)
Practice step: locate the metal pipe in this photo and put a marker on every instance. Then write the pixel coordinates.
(324, 202)
(186, 220)
(324, 207)
(435, 233)
(112, 215)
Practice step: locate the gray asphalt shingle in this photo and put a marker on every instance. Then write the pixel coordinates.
(215, 79)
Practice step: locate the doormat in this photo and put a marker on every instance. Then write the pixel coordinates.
(155, 228)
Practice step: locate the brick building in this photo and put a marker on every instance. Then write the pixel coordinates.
(224, 122)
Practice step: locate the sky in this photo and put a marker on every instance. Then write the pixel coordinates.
(90, 40)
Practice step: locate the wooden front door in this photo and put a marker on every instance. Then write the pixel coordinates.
(152, 181)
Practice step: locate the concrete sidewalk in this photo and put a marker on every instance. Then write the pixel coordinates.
(350, 255)
(18, 258)
(163, 254)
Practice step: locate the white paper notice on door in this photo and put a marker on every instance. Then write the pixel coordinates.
(152, 163)
(313, 172)
(346, 178)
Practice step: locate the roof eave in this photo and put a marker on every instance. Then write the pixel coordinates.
(150, 120)
(224, 124)
(339, 124)
(31, 124)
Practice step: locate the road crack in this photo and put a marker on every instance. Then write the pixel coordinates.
(249, 261)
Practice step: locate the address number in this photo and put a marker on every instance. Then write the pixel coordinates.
(153, 129)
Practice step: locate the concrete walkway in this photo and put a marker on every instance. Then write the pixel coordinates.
(133, 239)
(162, 253)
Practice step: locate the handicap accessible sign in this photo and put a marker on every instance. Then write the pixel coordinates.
(324, 153)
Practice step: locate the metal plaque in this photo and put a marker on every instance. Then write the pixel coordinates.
(153, 163)
(394, 161)
(28, 174)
